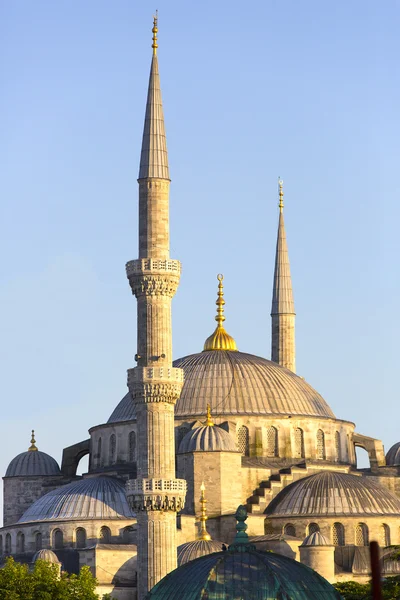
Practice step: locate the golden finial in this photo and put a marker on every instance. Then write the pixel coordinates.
(155, 30)
(32, 447)
(209, 421)
(204, 535)
(220, 339)
(280, 183)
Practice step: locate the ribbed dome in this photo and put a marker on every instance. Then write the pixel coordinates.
(334, 494)
(32, 464)
(393, 456)
(209, 438)
(92, 498)
(237, 383)
(316, 539)
(250, 574)
(124, 411)
(47, 555)
(192, 550)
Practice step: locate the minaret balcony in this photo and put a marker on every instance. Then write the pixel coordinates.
(156, 494)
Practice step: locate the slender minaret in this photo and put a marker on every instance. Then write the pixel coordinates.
(283, 349)
(154, 384)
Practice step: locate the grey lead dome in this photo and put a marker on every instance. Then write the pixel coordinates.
(209, 438)
(33, 464)
(334, 494)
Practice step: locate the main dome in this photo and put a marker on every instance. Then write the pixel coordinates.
(332, 494)
(92, 498)
(236, 383)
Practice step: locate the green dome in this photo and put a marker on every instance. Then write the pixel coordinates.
(243, 572)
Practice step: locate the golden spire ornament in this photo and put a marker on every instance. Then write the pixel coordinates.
(155, 31)
(204, 535)
(220, 339)
(209, 421)
(32, 447)
(280, 184)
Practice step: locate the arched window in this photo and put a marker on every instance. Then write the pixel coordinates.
(298, 443)
(80, 536)
(58, 539)
(272, 442)
(99, 456)
(338, 448)
(384, 535)
(289, 529)
(112, 448)
(132, 446)
(313, 528)
(361, 535)
(105, 535)
(20, 542)
(38, 541)
(127, 535)
(338, 538)
(320, 445)
(243, 440)
(8, 543)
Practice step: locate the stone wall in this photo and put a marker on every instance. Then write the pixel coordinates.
(20, 492)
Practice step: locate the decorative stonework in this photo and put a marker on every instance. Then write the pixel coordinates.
(150, 265)
(161, 185)
(154, 285)
(156, 494)
(155, 392)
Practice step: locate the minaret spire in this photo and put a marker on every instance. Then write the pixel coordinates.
(283, 315)
(155, 385)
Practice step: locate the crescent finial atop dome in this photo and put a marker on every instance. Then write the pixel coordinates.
(33, 447)
(220, 339)
(204, 535)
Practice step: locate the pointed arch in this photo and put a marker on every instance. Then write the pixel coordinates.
(58, 539)
(80, 537)
(20, 542)
(384, 535)
(338, 537)
(105, 535)
(361, 535)
(298, 443)
(321, 445)
(272, 442)
(243, 440)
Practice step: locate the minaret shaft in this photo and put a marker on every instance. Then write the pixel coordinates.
(283, 348)
(155, 384)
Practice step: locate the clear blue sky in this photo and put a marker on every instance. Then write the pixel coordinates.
(252, 90)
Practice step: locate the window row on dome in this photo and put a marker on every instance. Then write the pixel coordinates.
(107, 452)
(358, 534)
(271, 438)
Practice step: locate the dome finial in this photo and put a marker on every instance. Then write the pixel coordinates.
(155, 31)
(220, 339)
(209, 421)
(32, 447)
(280, 184)
(204, 535)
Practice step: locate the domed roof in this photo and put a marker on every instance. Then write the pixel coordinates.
(208, 438)
(47, 555)
(32, 463)
(91, 498)
(239, 383)
(334, 494)
(192, 550)
(393, 456)
(124, 411)
(316, 539)
(243, 572)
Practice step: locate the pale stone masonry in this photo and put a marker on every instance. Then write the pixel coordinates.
(283, 315)
(154, 384)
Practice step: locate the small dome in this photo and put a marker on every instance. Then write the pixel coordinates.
(92, 498)
(209, 438)
(47, 555)
(192, 550)
(331, 494)
(316, 539)
(32, 463)
(393, 456)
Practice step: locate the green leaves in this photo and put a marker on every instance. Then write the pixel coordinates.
(351, 590)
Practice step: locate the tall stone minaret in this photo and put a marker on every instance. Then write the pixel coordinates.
(283, 349)
(154, 384)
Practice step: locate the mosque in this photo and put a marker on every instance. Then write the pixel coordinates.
(197, 437)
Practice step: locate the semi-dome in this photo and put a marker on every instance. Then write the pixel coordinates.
(393, 456)
(192, 550)
(47, 555)
(243, 572)
(316, 539)
(208, 438)
(92, 498)
(332, 494)
(124, 411)
(33, 463)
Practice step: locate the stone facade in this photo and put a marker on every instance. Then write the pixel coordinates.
(20, 492)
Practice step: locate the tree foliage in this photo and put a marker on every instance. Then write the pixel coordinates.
(43, 582)
(351, 590)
